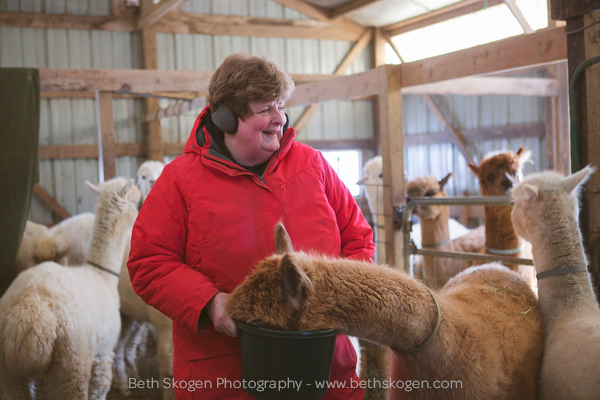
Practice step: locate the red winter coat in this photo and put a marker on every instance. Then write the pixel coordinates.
(208, 221)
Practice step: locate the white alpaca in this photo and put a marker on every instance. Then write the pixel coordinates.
(546, 214)
(78, 232)
(59, 325)
(134, 307)
(38, 244)
(147, 174)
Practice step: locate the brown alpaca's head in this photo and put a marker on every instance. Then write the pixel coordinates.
(499, 172)
(427, 187)
(547, 201)
(274, 294)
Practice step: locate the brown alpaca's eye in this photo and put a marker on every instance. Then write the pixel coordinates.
(430, 193)
(490, 177)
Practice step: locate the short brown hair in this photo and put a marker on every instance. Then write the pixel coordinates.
(242, 78)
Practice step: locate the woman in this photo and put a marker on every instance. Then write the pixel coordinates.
(210, 218)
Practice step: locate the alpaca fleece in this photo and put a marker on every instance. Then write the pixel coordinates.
(546, 213)
(59, 326)
(435, 229)
(490, 336)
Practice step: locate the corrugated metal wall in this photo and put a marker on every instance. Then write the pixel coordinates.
(73, 121)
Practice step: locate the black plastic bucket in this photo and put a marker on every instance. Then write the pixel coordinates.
(286, 365)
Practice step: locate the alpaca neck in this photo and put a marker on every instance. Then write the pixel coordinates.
(404, 324)
(499, 231)
(108, 240)
(434, 231)
(561, 247)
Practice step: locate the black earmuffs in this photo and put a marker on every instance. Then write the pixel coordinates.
(227, 121)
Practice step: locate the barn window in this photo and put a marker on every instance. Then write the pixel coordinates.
(347, 165)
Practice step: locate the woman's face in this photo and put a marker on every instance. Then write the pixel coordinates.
(259, 135)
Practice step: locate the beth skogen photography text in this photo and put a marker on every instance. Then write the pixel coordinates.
(261, 385)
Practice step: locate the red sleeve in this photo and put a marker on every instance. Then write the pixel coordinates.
(356, 234)
(156, 261)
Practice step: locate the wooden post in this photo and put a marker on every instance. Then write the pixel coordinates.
(154, 134)
(392, 145)
(106, 137)
(591, 144)
(378, 60)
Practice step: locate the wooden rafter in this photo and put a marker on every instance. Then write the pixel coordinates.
(388, 39)
(341, 69)
(253, 27)
(541, 47)
(443, 14)
(347, 8)
(153, 12)
(338, 88)
(66, 21)
(458, 137)
(516, 11)
(322, 14)
(482, 85)
(138, 81)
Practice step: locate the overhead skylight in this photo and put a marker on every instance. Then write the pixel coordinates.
(466, 31)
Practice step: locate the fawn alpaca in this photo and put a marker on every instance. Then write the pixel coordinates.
(489, 330)
(435, 234)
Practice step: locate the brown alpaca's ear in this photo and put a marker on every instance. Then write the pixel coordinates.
(283, 244)
(294, 281)
(445, 180)
(476, 170)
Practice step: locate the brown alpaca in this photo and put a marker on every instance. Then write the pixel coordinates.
(435, 235)
(497, 175)
(489, 335)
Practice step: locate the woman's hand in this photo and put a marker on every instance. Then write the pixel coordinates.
(219, 316)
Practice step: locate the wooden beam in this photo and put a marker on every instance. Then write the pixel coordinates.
(459, 139)
(139, 81)
(481, 85)
(81, 151)
(67, 21)
(537, 130)
(378, 57)
(106, 137)
(516, 11)
(119, 9)
(45, 197)
(442, 14)
(541, 47)
(232, 25)
(341, 69)
(151, 105)
(156, 11)
(340, 88)
(347, 8)
(390, 119)
(388, 39)
(322, 14)
(176, 109)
